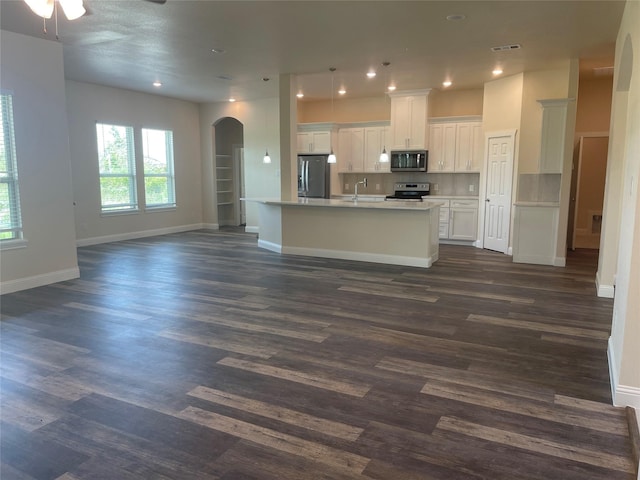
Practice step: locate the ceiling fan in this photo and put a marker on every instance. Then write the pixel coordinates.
(72, 8)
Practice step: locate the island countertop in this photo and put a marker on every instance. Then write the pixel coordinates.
(345, 203)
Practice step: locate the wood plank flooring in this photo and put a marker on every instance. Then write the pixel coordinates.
(199, 356)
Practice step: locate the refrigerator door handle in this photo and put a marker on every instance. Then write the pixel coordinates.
(306, 177)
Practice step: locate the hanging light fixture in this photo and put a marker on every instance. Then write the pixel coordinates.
(332, 156)
(266, 158)
(384, 156)
(45, 8)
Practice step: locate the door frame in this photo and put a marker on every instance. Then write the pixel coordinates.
(577, 172)
(512, 134)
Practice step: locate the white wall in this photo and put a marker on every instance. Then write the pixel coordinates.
(32, 69)
(260, 120)
(88, 104)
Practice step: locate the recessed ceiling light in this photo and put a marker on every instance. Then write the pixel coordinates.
(371, 74)
(157, 83)
(299, 94)
(391, 88)
(232, 99)
(497, 71)
(342, 91)
(456, 17)
(218, 50)
(446, 84)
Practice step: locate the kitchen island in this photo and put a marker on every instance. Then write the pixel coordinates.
(398, 233)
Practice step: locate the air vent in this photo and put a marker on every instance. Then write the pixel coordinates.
(506, 48)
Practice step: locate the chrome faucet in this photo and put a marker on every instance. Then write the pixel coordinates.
(363, 182)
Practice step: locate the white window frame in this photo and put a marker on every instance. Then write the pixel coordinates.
(169, 175)
(130, 175)
(10, 176)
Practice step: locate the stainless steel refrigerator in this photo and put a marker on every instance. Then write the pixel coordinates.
(313, 176)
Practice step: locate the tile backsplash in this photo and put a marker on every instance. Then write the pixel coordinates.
(539, 187)
(452, 184)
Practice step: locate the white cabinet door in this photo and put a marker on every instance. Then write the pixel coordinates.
(469, 147)
(463, 222)
(442, 147)
(409, 122)
(374, 142)
(350, 154)
(314, 142)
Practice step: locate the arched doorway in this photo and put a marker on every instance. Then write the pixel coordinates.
(228, 141)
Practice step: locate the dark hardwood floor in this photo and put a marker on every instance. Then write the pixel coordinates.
(198, 355)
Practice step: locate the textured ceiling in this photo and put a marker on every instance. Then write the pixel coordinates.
(131, 43)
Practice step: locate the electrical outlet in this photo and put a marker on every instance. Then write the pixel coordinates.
(471, 188)
(346, 186)
(377, 187)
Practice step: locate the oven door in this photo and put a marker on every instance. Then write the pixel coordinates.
(412, 161)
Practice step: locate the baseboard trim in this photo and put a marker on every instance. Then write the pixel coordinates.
(251, 229)
(211, 226)
(273, 247)
(560, 262)
(85, 242)
(362, 256)
(39, 280)
(622, 395)
(604, 291)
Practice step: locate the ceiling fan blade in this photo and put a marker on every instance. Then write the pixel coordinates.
(160, 2)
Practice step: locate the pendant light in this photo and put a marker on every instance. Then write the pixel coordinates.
(266, 159)
(384, 156)
(332, 156)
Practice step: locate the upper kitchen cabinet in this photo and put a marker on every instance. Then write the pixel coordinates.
(409, 110)
(350, 150)
(554, 127)
(455, 145)
(375, 139)
(315, 138)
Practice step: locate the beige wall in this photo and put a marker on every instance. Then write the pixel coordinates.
(594, 105)
(345, 110)
(32, 70)
(455, 103)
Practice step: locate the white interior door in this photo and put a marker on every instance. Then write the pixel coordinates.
(497, 211)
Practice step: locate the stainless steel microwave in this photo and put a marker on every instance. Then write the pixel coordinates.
(409, 161)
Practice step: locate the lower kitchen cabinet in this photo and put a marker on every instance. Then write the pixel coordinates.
(458, 219)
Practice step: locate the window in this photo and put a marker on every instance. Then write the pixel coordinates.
(10, 219)
(116, 159)
(159, 184)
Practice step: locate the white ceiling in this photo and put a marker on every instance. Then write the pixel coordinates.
(131, 43)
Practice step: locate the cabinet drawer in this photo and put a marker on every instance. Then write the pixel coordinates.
(443, 231)
(464, 204)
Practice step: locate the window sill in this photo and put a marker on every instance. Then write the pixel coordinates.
(13, 244)
(116, 213)
(161, 208)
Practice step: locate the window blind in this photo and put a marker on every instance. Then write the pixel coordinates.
(10, 217)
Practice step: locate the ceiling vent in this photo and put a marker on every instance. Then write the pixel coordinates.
(506, 48)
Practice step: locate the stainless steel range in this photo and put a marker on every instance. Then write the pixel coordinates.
(409, 192)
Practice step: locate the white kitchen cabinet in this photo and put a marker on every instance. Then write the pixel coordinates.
(463, 220)
(350, 154)
(469, 147)
(554, 127)
(409, 120)
(456, 147)
(458, 218)
(314, 142)
(375, 139)
(442, 147)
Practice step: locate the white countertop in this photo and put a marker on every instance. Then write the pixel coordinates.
(345, 203)
(537, 204)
